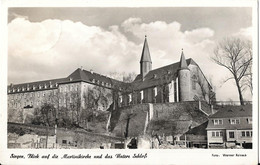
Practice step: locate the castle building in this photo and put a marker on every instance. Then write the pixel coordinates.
(177, 82)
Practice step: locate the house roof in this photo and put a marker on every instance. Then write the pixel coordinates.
(233, 111)
(199, 130)
(240, 112)
(159, 76)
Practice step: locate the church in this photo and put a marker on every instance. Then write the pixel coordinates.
(181, 81)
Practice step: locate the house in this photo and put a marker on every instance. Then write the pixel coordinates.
(229, 127)
(196, 137)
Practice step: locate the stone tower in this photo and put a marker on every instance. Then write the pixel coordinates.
(145, 62)
(184, 79)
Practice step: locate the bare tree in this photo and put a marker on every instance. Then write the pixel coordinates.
(234, 55)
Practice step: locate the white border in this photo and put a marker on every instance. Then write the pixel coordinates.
(187, 156)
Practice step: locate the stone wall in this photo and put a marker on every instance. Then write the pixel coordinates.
(159, 118)
(137, 117)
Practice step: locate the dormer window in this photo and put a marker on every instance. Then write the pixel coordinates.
(40, 87)
(28, 88)
(155, 76)
(234, 121)
(217, 121)
(50, 85)
(56, 84)
(18, 90)
(23, 89)
(9, 90)
(13, 90)
(33, 87)
(45, 86)
(249, 120)
(71, 79)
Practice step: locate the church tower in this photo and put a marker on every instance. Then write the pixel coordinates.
(145, 62)
(184, 79)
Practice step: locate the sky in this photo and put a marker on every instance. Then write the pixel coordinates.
(48, 43)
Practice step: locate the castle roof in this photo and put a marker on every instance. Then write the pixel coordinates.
(35, 86)
(159, 76)
(145, 53)
(77, 76)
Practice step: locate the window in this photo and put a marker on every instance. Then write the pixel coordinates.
(60, 89)
(249, 120)
(218, 121)
(130, 98)
(120, 99)
(155, 91)
(64, 141)
(213, 134)
(232, 134)
(234, 121)
(246, 134)
(142, 95)
(217, 133)
(39, 94)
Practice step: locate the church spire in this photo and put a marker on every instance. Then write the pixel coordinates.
(145, 53)
(145, 62)
(183, 63)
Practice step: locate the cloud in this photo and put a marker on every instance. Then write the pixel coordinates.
(54, 48)
(245, 33)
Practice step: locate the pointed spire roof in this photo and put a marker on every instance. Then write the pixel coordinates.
(183, 63)
(146, 53)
